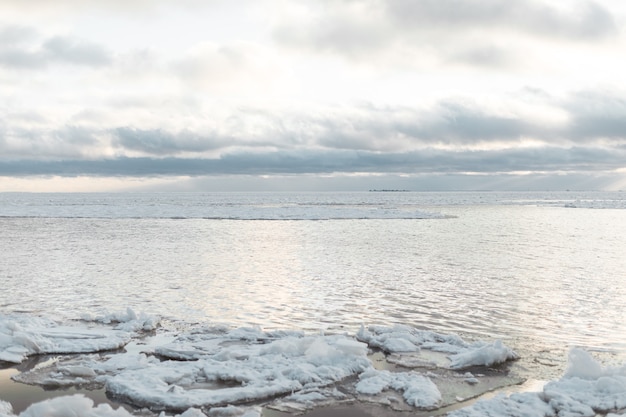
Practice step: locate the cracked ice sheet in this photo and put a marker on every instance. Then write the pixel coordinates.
(585, 390)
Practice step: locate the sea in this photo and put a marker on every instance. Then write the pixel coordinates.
(541, 271)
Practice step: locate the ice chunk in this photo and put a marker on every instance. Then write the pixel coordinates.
(586, 389)
(483, 355)
(75, 405)
(400, 339)
(21, 336)
(5, 408)
(309, 398)
(128, 321)
(418, 390)
(515, 405)
(587, 385)
(582, 365)
(79, 405)
(232, 411)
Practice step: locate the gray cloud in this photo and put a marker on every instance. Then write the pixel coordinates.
(458, 124)
(23, 48)
(428, 161)
(160, 142)
(586, 19)
(596, 115)
(11, 35)
(483, 33)
(75, 51)
(449, 137)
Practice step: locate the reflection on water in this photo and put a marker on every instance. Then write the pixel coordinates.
(543, 278)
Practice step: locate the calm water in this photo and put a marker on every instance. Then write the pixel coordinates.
(542, 271)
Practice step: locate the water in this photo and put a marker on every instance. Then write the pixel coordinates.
(542, 271)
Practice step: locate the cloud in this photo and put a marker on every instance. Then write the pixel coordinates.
(160, 142)
(448, 136)
(578, 20)
(75, 51)
(427, 161)
(24, 48)
(600, 115)
(427, 34)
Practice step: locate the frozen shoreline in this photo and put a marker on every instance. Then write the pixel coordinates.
(226, 371)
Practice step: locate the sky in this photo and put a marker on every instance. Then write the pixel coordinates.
(201, 95)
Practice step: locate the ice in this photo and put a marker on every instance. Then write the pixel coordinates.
(128, 320)
(515, 405)
(232, 411)
(586, 389)
(213, 367)
(587, 385)
(482, 354)
(5, 408)
(234, 371)
(418, 390)
(222, 371)
(75, 405)
(461, 354)
(23, 336)
(79, 405)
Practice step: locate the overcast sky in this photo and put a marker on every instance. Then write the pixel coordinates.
(321, 94)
